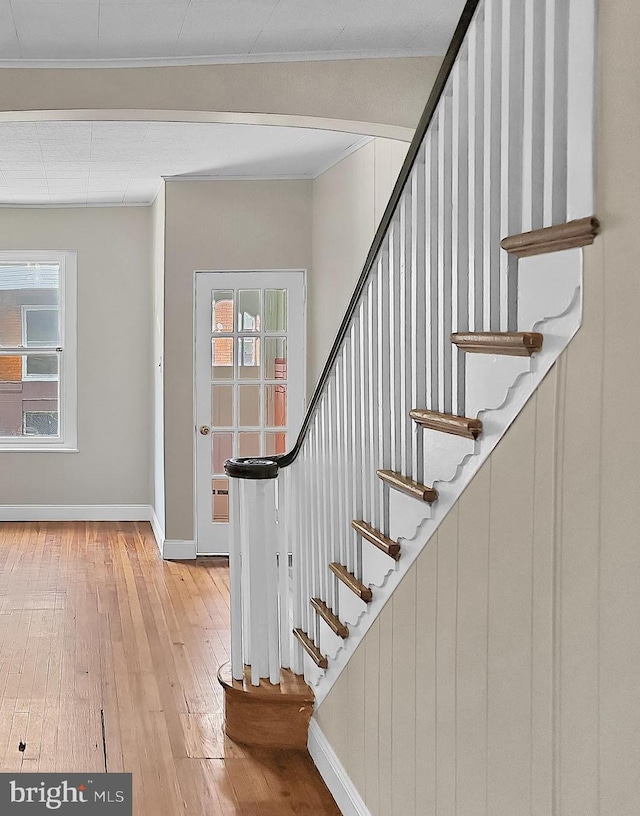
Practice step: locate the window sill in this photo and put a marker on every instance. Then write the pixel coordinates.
(37, 449)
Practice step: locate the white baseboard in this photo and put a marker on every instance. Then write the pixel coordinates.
(171, 550)
(335, 777)
(157, 528)
(178, 550)
(75, 512)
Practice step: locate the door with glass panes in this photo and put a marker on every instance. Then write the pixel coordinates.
(250, 374)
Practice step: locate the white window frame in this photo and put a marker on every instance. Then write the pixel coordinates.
(67, 440)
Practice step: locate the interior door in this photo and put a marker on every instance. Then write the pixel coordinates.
(249, 381)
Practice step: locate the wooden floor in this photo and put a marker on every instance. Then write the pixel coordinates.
(108, 660)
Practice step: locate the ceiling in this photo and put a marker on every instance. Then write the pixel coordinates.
(165, 31)
(79, 163)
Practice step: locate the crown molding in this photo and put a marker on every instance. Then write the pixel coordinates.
(221, 59)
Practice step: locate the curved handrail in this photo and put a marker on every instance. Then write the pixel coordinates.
(244, 467)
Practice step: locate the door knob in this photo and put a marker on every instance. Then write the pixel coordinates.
(204, 430)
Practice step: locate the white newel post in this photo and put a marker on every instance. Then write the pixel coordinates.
(253, 569)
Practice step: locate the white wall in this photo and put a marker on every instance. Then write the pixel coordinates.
(502, 676)
(114, 331)
(348, 203)
(156, 446)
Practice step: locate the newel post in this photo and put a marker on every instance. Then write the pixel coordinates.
(253, 569)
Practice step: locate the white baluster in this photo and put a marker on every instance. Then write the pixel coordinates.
(323, 500)
(309, 512)
(534, 116)
(404, 382)
(476, 167)
(294, 515)
(395, 334)
(305, 549)
(511, 153)
(419, 317)
(245, 520)
(317, 589)
(373, 398)
(555, 105)
(268, 546)
(492, 164)
(341, 447)
(384, 380)
(365, 408)
(445, 304)
(350, 444)
(582, 49)
(431, 255)
(356, 440)
(459, 228)
(314, 536)
(285, 588)
(235, 581)
(344, 457)
(332, 483)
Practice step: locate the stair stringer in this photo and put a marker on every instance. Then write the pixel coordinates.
(556, 312)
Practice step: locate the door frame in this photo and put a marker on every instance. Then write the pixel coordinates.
(298, 271)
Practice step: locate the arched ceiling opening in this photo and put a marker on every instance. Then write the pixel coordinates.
(123, 162)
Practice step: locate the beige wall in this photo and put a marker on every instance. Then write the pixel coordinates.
(502, 677)
(353, 90)
(112, 466)
(348, 203)
(325, 226)
(218, 225)
(156, 446)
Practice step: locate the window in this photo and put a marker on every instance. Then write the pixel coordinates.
(38, 350)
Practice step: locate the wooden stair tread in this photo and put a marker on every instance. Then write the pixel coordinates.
(578, 233)
(348, 579)
(408, 486)
(332, 621)
(311, 649)
(514, 344)
(447, 423)
(378, 539)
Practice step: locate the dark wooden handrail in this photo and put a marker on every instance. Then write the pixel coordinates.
(245, 467)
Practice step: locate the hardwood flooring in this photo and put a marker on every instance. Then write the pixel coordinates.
(108, 660)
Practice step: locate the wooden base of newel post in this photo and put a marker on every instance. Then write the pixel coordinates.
(266, 715)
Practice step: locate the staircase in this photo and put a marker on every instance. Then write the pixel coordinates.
(450, 330)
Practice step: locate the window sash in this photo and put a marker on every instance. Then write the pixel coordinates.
(65, 352)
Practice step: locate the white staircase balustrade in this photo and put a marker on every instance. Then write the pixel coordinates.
(492, 158)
